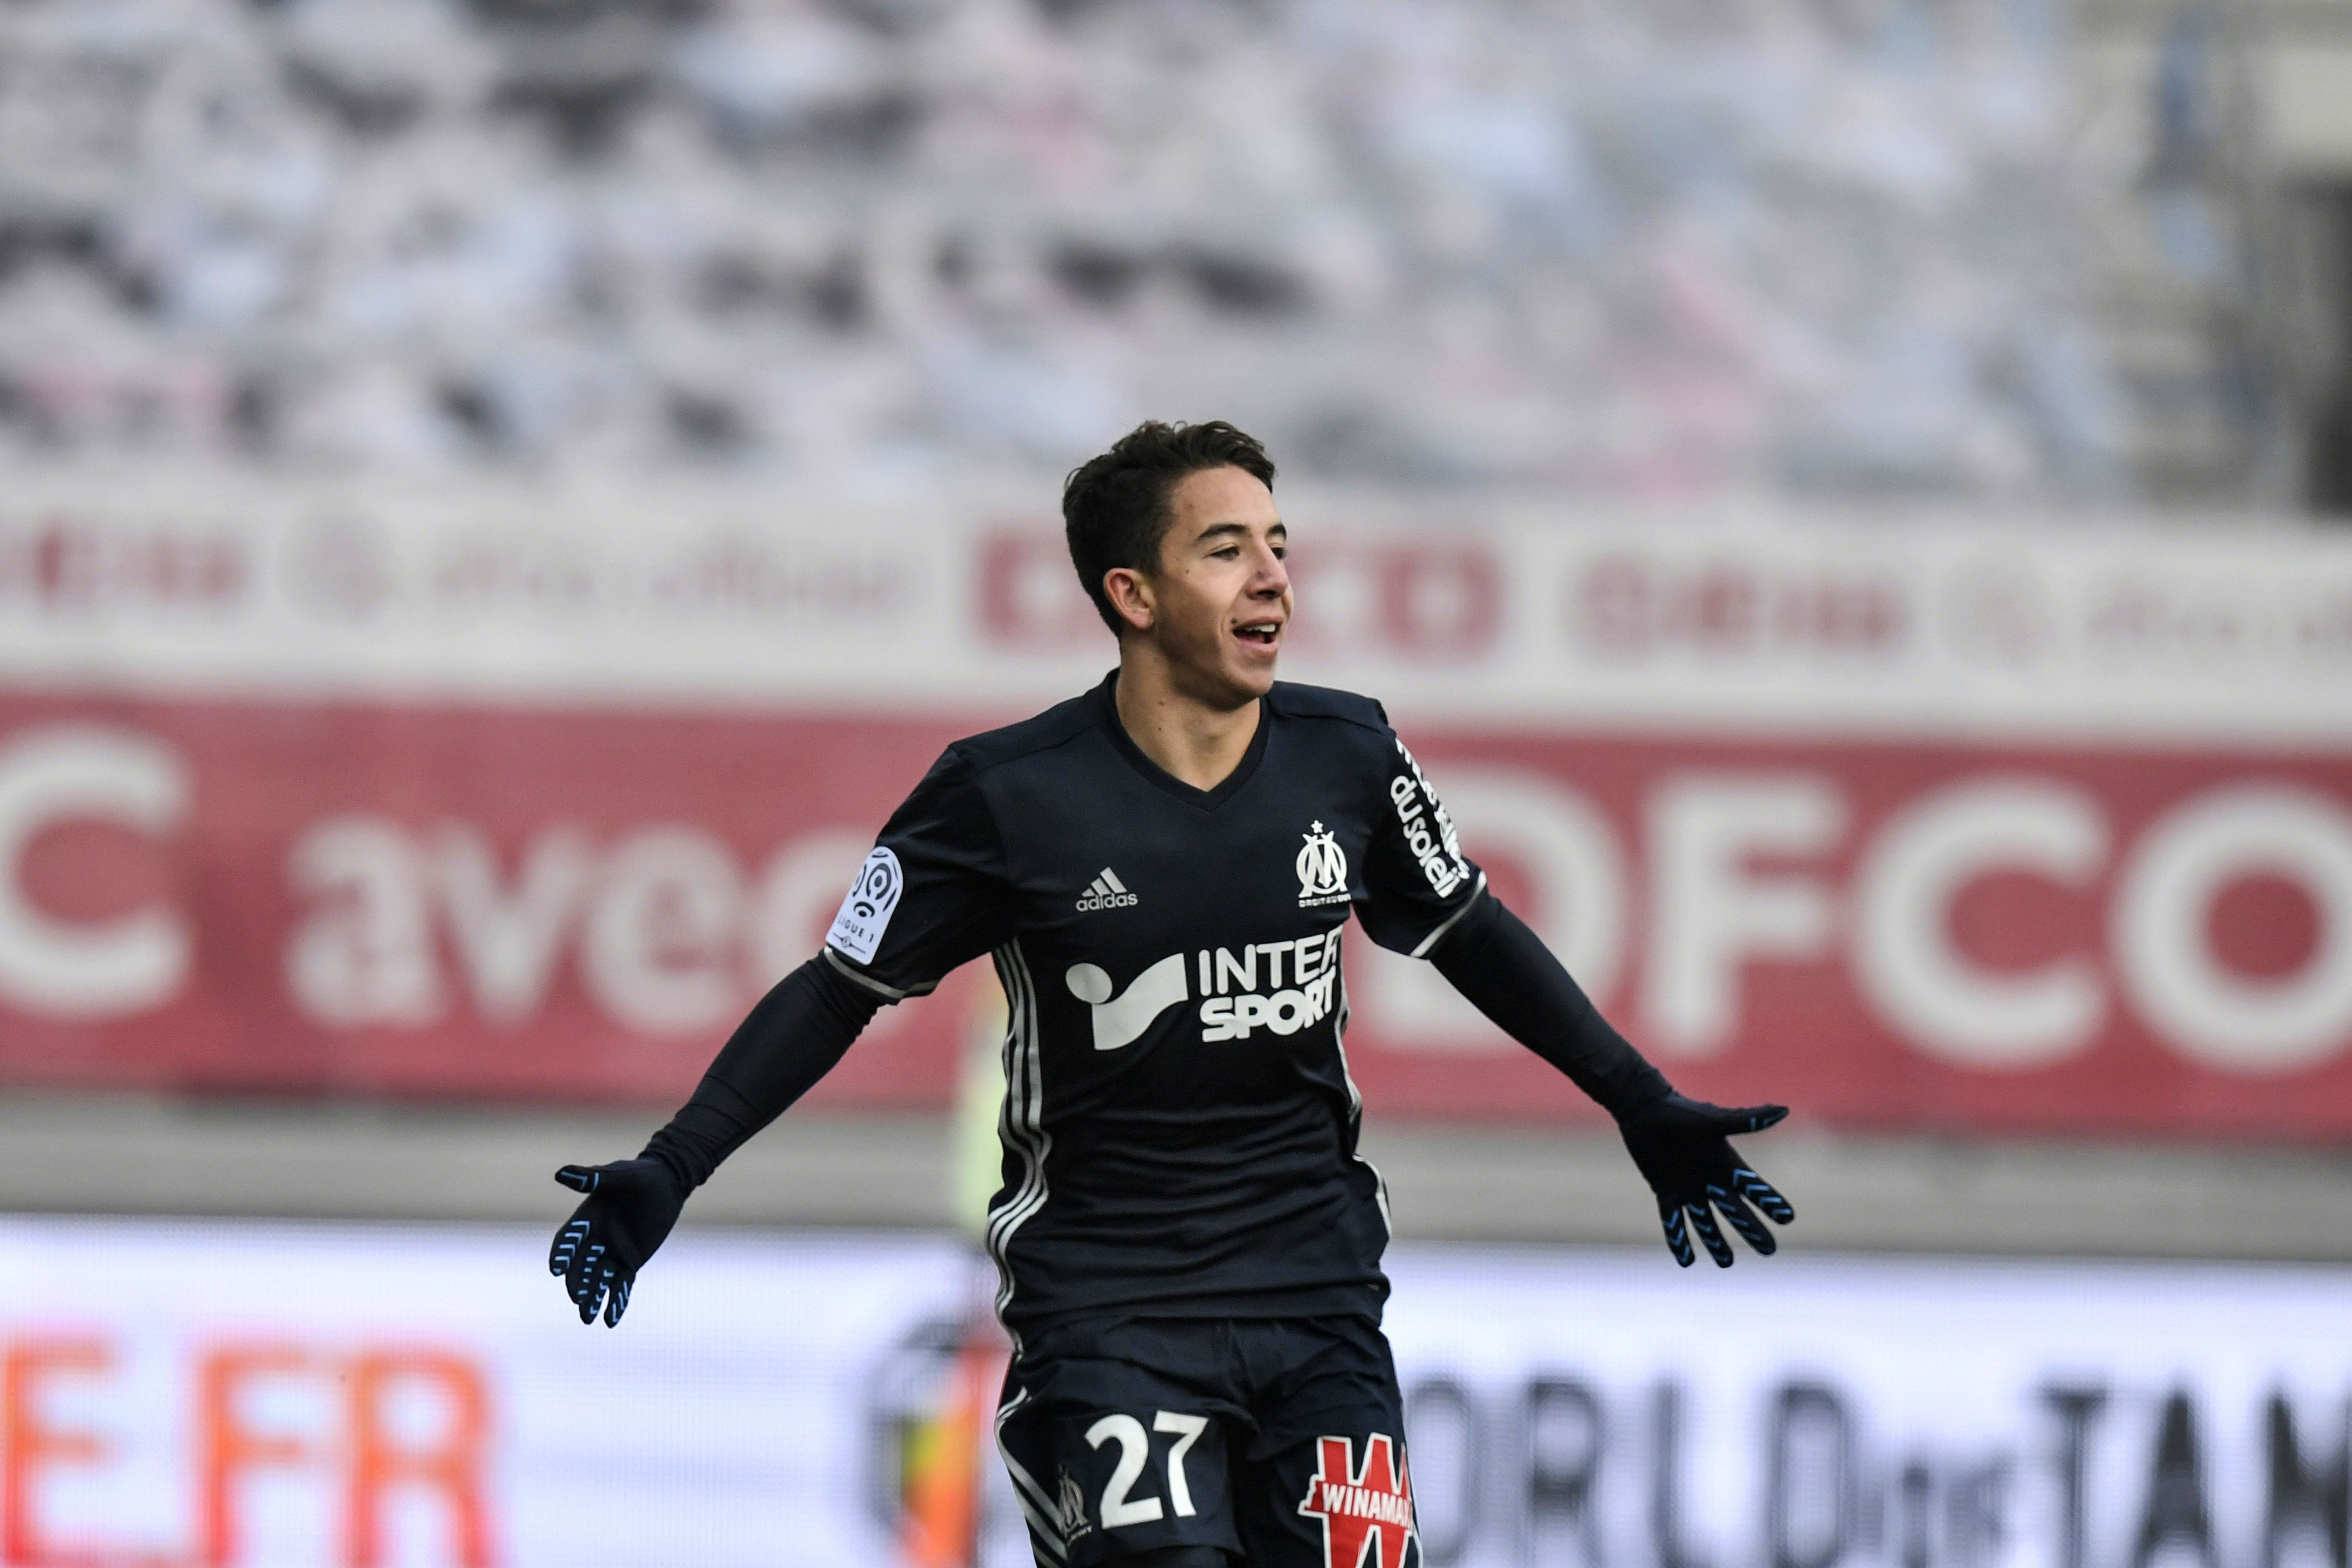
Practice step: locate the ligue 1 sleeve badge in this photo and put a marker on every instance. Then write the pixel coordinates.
(1322, 870)
(866, 912)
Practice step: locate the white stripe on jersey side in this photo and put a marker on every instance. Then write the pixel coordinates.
(1434, 938)
(1036, 1506)
(1013, 1118)
(1112, 878)
(1356, 1108)
(1019, 1122)
(1021, 1125)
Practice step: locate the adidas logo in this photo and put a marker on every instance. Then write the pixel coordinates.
(1107, 892)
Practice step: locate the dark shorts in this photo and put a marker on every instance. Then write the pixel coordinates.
(1279, 1442)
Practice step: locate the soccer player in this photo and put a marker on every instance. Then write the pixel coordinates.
(1187, 1245)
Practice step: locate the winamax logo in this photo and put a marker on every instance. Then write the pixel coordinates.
(1367, 1514)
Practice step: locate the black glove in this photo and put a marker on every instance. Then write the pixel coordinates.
(632, 1204)
(1682, 1149)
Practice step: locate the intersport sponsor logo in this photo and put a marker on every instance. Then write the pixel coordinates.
(1300, 987)
(1301, 983)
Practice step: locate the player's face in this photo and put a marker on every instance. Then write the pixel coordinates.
(1221, 598)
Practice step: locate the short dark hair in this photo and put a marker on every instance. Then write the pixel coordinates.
(1115, 507)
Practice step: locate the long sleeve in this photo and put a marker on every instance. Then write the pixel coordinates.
(928, 898)
(1507, 974)
(792, 1038)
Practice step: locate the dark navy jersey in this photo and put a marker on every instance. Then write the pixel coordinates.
(1179, 1125)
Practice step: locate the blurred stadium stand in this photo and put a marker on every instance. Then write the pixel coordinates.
(1989, 250)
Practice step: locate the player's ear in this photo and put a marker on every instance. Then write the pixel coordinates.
(1130, 593)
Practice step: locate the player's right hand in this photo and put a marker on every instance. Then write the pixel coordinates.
(631, 1207)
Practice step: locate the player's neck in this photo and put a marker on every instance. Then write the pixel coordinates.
(1192, 740)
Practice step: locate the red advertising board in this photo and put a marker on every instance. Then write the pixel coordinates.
(1913, 830)
(468, 901)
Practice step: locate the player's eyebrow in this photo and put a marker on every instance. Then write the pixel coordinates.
(1220, 530)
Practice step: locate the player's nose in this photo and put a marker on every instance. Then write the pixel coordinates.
(1272, 578)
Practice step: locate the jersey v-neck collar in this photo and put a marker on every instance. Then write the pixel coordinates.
(1106, 710)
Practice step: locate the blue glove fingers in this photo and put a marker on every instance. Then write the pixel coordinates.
(1760, 1192)
(1670, 1216)
(567, 1247)
(587, 1282)
(1703, 1221)
(579, 1178)
(599, 1294)
(618, 1302)
(1751, 1229)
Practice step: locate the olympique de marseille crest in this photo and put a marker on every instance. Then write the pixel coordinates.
(1367, 1514)
(1073, 1508)
(1322, 870)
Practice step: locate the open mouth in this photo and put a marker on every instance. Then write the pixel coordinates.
(1261, 634)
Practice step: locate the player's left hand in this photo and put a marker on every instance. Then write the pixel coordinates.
(1684, 1149)
(631, 1207)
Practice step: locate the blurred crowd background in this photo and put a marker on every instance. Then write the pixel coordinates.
(499, 498)
(1982, 249)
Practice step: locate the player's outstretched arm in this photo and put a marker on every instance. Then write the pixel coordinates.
(1681, 1146)
(795, 1034)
